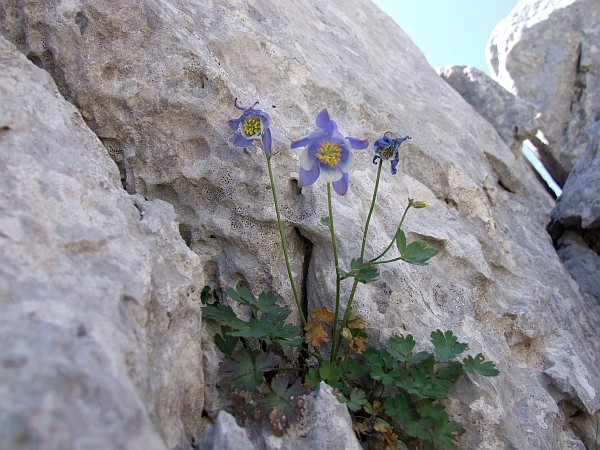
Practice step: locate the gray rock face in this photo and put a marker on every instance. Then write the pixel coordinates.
(326, 426)
(575, 222)
(156, 82)
(226, 434)
(99, 315)
(514, 119)
(548, 53)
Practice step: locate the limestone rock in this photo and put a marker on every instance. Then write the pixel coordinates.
(225, 435)
(99, 315)
(156, 82)
(548, 53)
(326, 426)
(514, 119)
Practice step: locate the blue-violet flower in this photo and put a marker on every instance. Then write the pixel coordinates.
(386, 148)
(327, 153)
(254, 124)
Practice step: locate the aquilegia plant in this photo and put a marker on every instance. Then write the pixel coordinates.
(393, 393)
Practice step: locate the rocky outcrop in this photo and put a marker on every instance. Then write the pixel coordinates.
(156, 82)
(514, 119)
(575, 224)
(99, 309)
(547, 52)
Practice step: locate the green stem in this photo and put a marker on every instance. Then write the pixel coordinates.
(337, 276)
(364, 240)
(285, 252)
(387, 249)
(362, 255)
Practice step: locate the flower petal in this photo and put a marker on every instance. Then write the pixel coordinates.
(401, 140)
(329, 173)
(234, 124)
(308, 158)
(341, 186)
(346, 162)
(301, 142)
(266, 140)
(357, 143)
(393, 165)
(324, 122)
(308, 177)
(241, 141)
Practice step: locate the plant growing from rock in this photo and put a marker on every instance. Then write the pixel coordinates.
(393, 393)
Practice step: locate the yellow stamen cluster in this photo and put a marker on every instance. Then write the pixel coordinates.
(251, 126)
(387, 152)
(329, 153)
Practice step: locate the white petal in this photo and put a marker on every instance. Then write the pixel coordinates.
(330, 174)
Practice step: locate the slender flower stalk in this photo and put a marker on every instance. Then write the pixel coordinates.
(283, 244)
(387, 249)
(336, 348)
(338, 279)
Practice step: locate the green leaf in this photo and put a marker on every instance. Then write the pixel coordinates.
(398, 408)
(442, 434)
(342, 273)
(356, 401)
(224, 342)
(245, 370)
(419, 357)
(401, 241)
(401, 348)
(224, 313)
(266, 302)
(205, 295)
(325, 221)
(330, 373)
(380, 357)
(377, 373)
(418, 429)
(451, 373)
(435, 388)
(418, 253)
(480, 366)
(367, 274)
(447, 345)
(435, 411)
(313, 377)
(356, 263)
(243, 295)
(283, 406)
(353, 370)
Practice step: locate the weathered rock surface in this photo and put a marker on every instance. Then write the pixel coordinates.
(575, 225)
(548, 52)
(514, 119)
(99, 315)
(226, 434)
(326, 426)
(156, 82)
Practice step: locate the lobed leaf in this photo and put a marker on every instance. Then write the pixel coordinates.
(242, 295)
(401, 241)
(245, 370)
(325, 221)
(224, 342)
(418, 253)
(447, 345)
(398, 408)
(401, 347)
(283, 406)
(356, 401)
(367, 274)
(480, 366)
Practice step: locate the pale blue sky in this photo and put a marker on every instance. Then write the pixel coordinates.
(449, 31)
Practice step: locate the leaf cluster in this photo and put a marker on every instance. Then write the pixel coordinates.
(253, 355)
(395, 392)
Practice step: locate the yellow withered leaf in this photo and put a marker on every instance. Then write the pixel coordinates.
(322, 315)
(315, 334)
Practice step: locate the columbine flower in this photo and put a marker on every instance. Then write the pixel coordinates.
(327, 152)
(254, 124)
(386, 148)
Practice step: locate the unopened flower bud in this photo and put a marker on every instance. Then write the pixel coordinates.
(420, 205)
